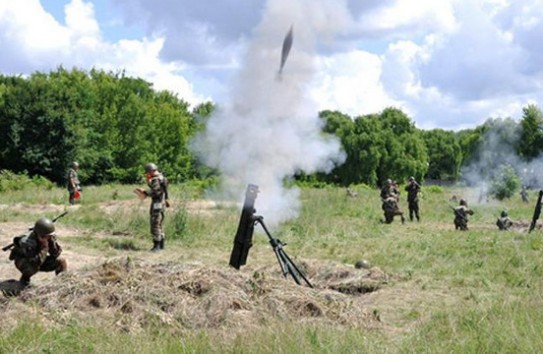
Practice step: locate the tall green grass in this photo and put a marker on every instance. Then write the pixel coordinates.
(450, 291)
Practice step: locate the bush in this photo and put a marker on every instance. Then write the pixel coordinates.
(10, 181)
(505, 183)
(434, 189)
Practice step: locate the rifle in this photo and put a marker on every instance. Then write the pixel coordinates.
(457, 213)
(537, 211)
(11, 245)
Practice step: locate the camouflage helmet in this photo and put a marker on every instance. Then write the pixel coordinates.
(463, 202)
(44, 226)
(389, 181)
(75, 164)
(504, 214)
(150, 167)
(410, 179)
(362, 264)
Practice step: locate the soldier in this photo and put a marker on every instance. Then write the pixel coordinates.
(503, 222)
(73, 186)
(37, 251)
(413, 189)
(391, 209)
(385, 190)
(158, 191)
(461, 213)
(524, 194)
(390, 196)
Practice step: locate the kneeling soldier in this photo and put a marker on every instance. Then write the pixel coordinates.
(37, 251)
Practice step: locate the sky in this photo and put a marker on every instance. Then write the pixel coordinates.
(448, 64)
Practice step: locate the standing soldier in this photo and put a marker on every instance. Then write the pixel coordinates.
(461, 213)
(524, 194)
(413, 189)
(73, 183)
(37, 251)
(503, 222)
(158, 191)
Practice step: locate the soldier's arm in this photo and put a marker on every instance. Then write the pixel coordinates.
(54, 248)
(155, 189)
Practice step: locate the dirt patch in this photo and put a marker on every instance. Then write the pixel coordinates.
(200, 207)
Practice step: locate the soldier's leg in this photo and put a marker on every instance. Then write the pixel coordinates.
(71, 197)
(162, 236)
(416, 209)
(411, 213)
(402, 216)
(27, 268)
(156, 229)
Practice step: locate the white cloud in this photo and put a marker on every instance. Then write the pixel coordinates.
(33, 40)
(350, 82)
(448, 63)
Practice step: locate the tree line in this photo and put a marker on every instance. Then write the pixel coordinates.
(113, 124)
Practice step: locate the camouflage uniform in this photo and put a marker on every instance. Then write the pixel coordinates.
(413, 189)
(524, 194)
(390, 196)
(158, 191)
(33, 254)
(503, 222)
(391, 209)
(461, 213)
(73, 184)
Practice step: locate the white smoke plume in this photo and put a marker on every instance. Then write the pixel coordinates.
(498, 148)
(270, 130)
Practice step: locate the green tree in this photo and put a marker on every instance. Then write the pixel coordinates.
(531, 133)
(505, 182)
(444, 154)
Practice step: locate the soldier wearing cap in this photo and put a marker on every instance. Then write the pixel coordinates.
(158, 191)
(37, 251)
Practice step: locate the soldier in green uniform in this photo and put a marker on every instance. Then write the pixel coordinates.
(413, 189)
(390, 195)
(73, 182)
(524, 194)
(38, 251)
(158, 191)
(461, 213)
(503, 222)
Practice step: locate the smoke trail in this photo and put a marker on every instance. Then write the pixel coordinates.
(270, 130)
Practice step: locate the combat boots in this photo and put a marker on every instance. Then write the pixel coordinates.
(161, 244)
(156, 246)
(61, 267)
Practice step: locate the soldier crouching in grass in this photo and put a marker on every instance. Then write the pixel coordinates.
(504, 222)
(158, 191)
(37, 251)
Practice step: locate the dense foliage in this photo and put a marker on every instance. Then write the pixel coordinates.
(378, 147)
(113, 124)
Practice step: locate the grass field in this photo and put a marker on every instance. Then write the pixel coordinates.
(439, 290)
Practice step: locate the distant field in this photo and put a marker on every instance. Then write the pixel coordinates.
(429, 289)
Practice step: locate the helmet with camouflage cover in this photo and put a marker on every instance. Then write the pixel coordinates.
(411, 179)
(504, 214)
(44, 226)
(463, 202)
(150, 167)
